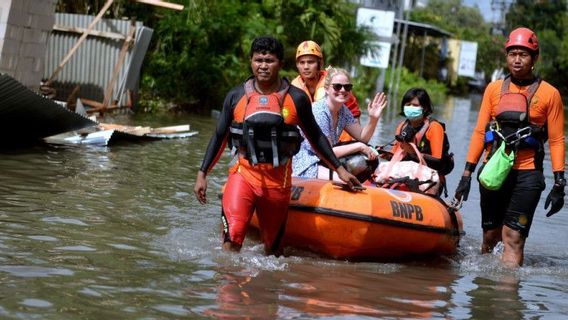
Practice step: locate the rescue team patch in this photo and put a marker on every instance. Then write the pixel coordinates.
(296, 192)
(285, 112)
(406, 210)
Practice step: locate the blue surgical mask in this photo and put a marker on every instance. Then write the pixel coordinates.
(413, 112)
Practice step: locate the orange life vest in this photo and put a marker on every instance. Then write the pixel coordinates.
(261, 133)
(512, 118)
(319, 89)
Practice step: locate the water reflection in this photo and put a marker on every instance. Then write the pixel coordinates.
(311, 289)
(371, 291)
(241, 295)
(115, 233)
(496, 298)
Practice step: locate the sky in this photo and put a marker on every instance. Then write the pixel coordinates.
(484, 7)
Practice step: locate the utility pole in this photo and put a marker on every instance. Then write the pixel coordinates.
(501, 7)
(394, 59)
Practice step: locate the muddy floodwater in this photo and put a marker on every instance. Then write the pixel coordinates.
(115, 233)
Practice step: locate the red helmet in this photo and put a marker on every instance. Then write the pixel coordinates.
(522, 37)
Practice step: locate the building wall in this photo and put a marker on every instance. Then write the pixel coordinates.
(454, 54)
(24, 29)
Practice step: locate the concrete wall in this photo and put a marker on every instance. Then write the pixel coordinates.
(24, 28)
(454, 54)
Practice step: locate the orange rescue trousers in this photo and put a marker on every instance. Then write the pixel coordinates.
(241, 199)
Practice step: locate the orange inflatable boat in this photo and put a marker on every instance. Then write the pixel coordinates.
(373, 224)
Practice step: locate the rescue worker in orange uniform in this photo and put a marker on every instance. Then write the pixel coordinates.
(507, 213)
(311, 78)
(259, 119)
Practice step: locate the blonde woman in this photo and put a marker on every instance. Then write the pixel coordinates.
(333, 117)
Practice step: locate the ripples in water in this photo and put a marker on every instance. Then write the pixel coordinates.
(116, 233)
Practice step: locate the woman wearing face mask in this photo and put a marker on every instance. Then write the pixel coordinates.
(333, 117)
(426, 133)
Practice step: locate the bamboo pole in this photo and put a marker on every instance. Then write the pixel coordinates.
(80, 41)
(164, 4)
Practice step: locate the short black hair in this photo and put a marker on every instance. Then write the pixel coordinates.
(267, 44)
(423, 98)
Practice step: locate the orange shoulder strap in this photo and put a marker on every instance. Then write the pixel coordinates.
(530, 92)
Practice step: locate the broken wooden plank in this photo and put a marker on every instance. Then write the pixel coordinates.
(121, 57)
(135, 130)
(171, 129)
(140, 130)
(91, 103)
(95, 33)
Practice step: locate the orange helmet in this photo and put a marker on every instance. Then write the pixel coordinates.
(522, 37)
(308, 47)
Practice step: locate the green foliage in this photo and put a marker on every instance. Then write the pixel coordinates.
(413, 55)
(537, 15)
(118, 8)
(198, 54)
(364, 82)
(436, 90)
(548, 19)
(451, 16)
(466, 24)
(196, 60)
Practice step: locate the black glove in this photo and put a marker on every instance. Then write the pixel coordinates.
(556, 195)
(462, 191)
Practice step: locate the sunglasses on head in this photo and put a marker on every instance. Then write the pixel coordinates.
(338, 86)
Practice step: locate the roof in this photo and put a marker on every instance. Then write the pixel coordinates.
(27, 116)
(421, 28)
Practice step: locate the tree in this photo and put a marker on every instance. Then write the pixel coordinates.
(548, 20)
(466, 24)
(197, 55)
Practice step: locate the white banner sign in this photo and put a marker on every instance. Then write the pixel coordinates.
(468, 56)
(381, 23)
(379, 59)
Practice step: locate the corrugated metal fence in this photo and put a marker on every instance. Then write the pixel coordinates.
(92, 65)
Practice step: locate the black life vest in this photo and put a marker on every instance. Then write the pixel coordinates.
(423, 144)
(262, 136)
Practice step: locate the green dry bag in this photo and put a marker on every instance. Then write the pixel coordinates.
(497, 169)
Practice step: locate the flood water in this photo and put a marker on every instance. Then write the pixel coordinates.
(116, 233)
